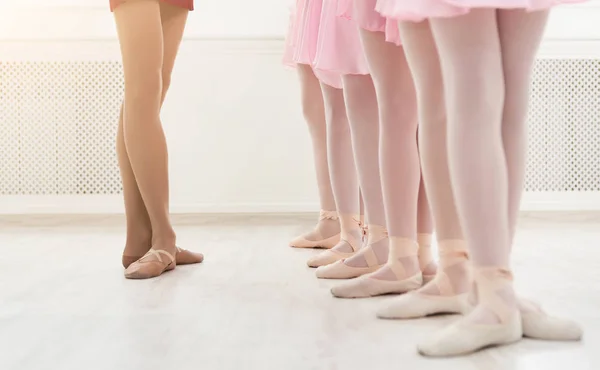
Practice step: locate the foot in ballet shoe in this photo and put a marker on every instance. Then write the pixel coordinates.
(344, 249)
(349, 244)
(368, 259)
(495, 320)
(326, 235)
(537, 324)
(447, 293)
(151, 265)
(183, 257)
(426, 262)
(399, 275)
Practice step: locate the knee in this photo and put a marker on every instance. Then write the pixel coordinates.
(337, 120)
(143, 88)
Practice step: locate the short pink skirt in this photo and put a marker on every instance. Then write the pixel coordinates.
(319, 38)
(188, 4)
(419, 10)
(363, 12)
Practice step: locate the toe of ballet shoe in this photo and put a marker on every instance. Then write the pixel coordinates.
(339, 270)
(461, 338)
(323, 259)
(538, 325)
(185, 257)
(128, 260)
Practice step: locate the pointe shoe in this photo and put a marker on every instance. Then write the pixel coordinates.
(183, 257)
(340, 270)
(321, 242)
(466, 335)
(151, 265)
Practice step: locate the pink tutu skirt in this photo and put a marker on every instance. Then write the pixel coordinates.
(419, 10)
(363, 12)
(319, 38)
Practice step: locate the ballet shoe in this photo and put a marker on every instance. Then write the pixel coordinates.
(414, 305)
(340, 270)
(327, 243)
(183, 257)
(151, 265)
(537, 324)
(365, 287)
(370, 285)
(428, 278)
(468, 335)
(330, 256)
(321, 242)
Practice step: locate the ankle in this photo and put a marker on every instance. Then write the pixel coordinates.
(166, 241)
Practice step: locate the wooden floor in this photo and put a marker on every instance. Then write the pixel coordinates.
(254, 304)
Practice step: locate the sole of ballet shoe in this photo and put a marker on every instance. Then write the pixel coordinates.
(417, 305)
(366, 287)
(462, 339)
(339, 270)
(315, 244)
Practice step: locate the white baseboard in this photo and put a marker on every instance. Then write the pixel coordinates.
(536, 202)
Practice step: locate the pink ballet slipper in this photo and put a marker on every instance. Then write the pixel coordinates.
(495, 321)
(340, 270)
(349, 244)
(374, 284)
(447, 300)
(319, 240)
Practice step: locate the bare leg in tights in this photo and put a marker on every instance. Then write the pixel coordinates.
(361, 105)
(400, 174)
(453, 278)
(139, 228)
(149, 34)
(326, 233)
(473, 69)
(425, 65)
(344, 181)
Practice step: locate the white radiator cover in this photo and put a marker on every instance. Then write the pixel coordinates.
(237, 139)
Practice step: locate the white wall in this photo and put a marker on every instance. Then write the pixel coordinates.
(237, 139)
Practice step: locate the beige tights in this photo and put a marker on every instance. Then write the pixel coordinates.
(149, 33)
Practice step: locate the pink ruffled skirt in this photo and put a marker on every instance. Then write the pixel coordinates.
(363, 12)
(419, 10)
(319, 38)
